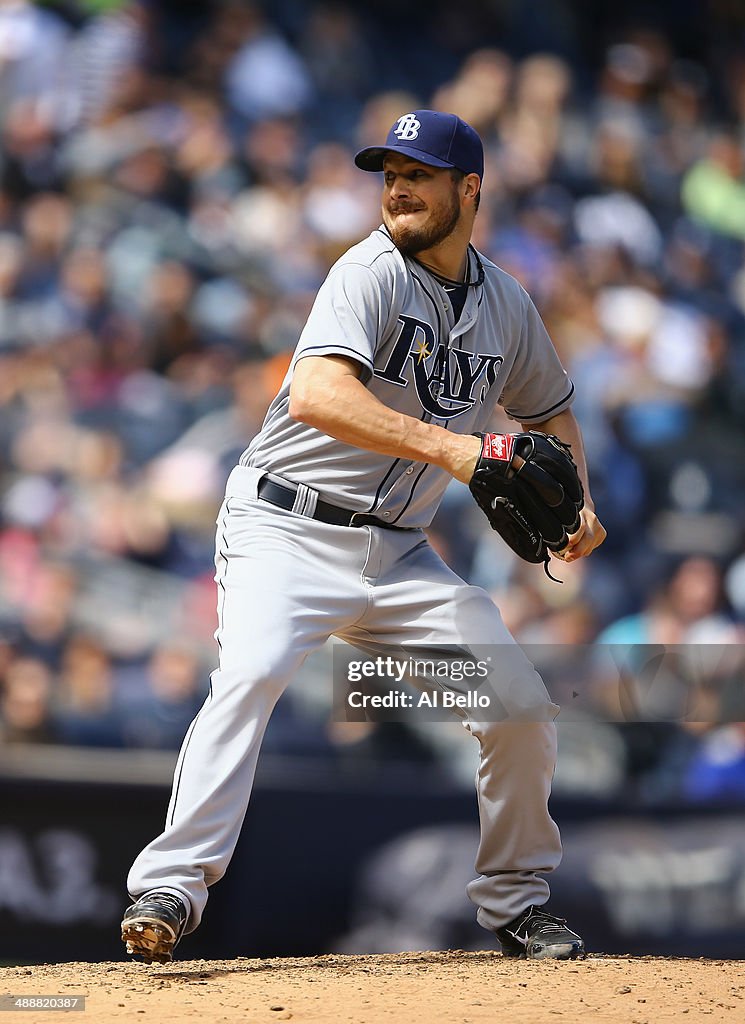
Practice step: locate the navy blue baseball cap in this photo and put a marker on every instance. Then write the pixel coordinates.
(440, 140)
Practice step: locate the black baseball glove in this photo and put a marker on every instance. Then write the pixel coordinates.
(528, 488)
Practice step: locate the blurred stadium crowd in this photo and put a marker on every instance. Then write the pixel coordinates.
(176, 180)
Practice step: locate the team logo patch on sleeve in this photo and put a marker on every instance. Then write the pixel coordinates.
(499, 446)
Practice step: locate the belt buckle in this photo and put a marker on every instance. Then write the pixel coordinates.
(367, 519)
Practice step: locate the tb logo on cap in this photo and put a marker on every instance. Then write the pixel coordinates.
(407, 128)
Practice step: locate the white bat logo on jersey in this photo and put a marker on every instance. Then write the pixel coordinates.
(445, 379)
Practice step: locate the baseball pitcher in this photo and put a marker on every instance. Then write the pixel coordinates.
(413, 338)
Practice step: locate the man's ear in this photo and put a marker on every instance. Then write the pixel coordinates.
(472, 185)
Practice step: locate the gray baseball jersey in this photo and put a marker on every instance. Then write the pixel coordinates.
(396, 320)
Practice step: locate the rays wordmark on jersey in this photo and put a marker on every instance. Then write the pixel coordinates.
(448, 381)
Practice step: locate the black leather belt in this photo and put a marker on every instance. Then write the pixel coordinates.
(283, 495)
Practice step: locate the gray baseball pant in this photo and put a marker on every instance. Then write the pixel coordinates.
(285, 584)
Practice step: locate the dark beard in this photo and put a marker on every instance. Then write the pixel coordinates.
(410, 241)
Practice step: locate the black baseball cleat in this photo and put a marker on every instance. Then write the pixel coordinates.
(152, 926)
(536, 935)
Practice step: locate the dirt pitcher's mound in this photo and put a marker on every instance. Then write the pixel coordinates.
(406, 988)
